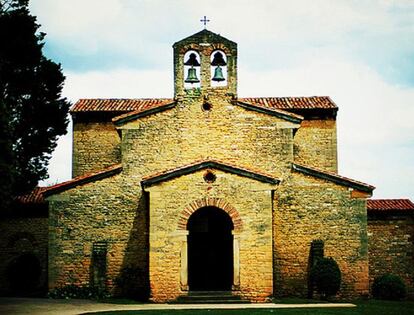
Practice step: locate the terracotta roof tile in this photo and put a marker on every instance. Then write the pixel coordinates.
(34, 197)
(83, 179)
(141, 104)
(390, 205)
(311, 102)
(117, 104)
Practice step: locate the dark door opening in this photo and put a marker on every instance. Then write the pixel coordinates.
(24, 274)
(210, 250)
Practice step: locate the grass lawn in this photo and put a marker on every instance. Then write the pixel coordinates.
(371, 307)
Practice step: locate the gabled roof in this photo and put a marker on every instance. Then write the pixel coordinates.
(142, 112)
(272, 111)
(333, 177)
(83, 179)
(204, 36)
(142, 104)
(204, 164)
(386, 205)
(286, 103)
(117, 104)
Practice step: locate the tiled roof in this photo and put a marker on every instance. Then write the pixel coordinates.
(34, 197)
(142, 112)
(311, 102)
(142, 104)
(271, 111)
(341, 180)
(390, 205)
(83, 179)
(208, 163)
(117, 104)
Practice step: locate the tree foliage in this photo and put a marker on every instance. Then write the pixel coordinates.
(33, 111)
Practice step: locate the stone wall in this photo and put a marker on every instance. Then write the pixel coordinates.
(315, 144)
(308, 209)
(96, 145)
(103, 211)
(173, 201)
(391, 247)
(23, 236)
(187, 133)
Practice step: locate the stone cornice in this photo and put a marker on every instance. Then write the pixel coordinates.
(206, 164)
(332, 177)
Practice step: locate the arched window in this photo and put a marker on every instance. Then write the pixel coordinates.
(218, 68)
(191, 69)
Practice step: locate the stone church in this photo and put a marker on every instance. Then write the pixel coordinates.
(209, 192)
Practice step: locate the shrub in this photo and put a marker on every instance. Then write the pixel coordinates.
(388, 287)
(325, 275)
(133, 283)
(72, 291)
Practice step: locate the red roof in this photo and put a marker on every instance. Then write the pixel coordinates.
(311, 102)
(117, 105)
(390, 204)
(142, 104)
(35, 196)
(83, 179)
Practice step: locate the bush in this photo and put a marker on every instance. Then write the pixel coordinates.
(388, 287)
(72, 291)
(325, 275)
(133, 283)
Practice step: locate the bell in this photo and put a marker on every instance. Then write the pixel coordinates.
(218, 60)
(218, 74)
(192, 76)
(192, 61)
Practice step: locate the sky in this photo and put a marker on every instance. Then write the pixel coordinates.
(360, 53)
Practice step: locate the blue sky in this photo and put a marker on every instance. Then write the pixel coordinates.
(360, 53)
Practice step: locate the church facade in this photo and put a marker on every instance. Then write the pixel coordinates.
(208, 191)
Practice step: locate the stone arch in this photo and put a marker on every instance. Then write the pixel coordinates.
(210, 202)
(21, 236)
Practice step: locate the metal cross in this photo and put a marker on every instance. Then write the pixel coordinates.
(205, 21)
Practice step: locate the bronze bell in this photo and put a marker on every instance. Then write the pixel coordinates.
(218, 60)
(218, 74)
(192, 61)
(192, 76)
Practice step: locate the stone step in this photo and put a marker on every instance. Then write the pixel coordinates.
(210, 297)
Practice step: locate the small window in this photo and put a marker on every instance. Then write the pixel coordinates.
(209, 177)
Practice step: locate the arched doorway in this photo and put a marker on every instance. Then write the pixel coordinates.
(210, 250)
(23, 274)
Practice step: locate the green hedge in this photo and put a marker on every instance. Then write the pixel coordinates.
(389, 287)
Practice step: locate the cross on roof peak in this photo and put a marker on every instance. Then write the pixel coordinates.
(205, 21)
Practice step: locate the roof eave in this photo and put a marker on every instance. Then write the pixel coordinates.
(81, 180)
(294, 118)
(333, 178)
(152, 180)
(125, 118)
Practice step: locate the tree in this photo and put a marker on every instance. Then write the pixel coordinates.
(33, 113)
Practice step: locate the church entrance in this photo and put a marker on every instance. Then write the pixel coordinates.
(210, 250)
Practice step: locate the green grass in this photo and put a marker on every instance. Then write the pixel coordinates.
(371, 307)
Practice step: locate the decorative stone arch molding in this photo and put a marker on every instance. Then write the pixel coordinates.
(210, 202)
(182, 227)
